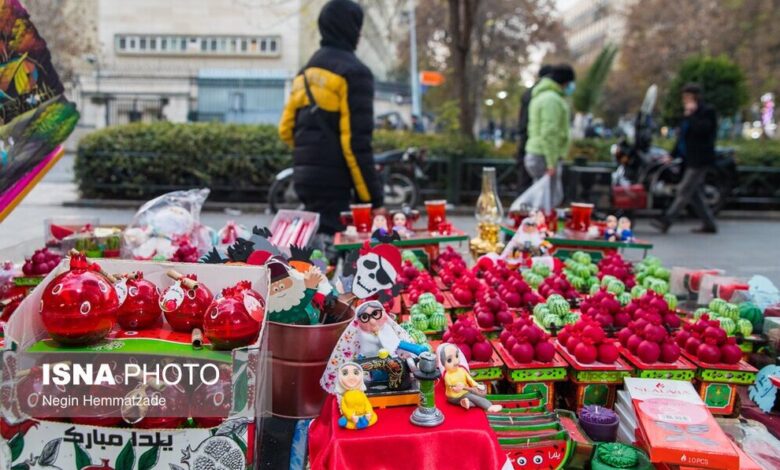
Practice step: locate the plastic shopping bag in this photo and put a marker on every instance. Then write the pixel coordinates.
(543, 195)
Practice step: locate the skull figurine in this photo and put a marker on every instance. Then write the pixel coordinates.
(373, 274)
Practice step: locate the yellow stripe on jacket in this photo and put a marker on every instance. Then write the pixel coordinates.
(331, 93)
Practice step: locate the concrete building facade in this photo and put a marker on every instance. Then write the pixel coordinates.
(591, 24)
(227, 60)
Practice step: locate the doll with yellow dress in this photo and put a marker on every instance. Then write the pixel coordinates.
(460, 387)
(356, 410)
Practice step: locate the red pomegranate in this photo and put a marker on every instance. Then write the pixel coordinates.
(214, 401)
(141, 308)
(184, 307)
(233, 320)
(79, 306)
(103, 466)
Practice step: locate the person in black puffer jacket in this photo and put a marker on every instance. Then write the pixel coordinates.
(331, 139)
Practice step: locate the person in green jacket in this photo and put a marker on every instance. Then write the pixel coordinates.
(549, 122)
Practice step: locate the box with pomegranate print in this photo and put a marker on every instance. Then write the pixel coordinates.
(115, 395)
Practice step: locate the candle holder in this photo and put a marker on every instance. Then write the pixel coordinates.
(426, 372)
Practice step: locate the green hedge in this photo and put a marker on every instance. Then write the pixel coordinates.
(137, 161)
(238, 162)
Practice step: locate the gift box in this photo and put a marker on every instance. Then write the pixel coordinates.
(80, 443)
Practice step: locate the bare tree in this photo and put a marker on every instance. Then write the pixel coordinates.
(68, 27)
(482, 42)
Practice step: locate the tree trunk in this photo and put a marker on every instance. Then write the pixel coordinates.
(461, 14)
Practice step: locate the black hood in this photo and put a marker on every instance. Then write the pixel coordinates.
(340, 22)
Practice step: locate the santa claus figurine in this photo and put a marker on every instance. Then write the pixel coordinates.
(291, 294)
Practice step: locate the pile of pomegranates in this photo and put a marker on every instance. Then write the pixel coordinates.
(614, 265)
(491, 311)
(588, 342)
(447, 255)
(557, 284)
(653, 308)
(451, 271)
(41, 263)
(465, 288)
(508, 283)
(604, 307)
(649, 341)
(423, 283)
(465, 334)
(526, 342)
(708, 342)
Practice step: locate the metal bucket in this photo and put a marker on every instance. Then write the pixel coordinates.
(299, 355)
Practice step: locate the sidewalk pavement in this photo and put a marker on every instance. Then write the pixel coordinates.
(743, 247)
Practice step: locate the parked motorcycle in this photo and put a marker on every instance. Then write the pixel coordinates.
(647, 178)
(399, 170)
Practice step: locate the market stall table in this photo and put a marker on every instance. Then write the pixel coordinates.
(717, 383)
(463, 440)
(567, 242)
(429, 241)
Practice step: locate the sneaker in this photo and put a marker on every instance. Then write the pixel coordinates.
(662, 225)
(705, 230)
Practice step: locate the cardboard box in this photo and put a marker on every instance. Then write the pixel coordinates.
(67, 446)
(677, 426)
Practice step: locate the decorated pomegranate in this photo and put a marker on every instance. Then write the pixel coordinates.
(79, 306)
(185, 303)
(140, 303)
(214, 401)
(234, 318)
(103, 466)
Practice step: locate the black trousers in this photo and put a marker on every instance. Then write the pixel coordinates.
(690, 191)
(327, 201)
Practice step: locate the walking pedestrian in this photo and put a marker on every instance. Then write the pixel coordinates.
(523, 178)
(329, 121)
(549, 134)
(696, 147)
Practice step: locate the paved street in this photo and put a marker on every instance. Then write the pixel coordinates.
(742, 248)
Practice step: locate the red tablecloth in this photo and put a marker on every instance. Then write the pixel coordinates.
(464, 440)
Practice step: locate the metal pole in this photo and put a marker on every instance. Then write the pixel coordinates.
(415, 76)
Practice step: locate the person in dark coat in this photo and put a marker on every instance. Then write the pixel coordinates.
(696, 147)
(524, 180)
(331, 137)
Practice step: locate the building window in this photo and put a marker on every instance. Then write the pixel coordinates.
(212, 45)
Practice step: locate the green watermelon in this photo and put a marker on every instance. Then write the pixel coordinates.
(571, 318)
(552, 319)
(594, 269)
(420, 321)
(607, 279)
(638, 291)
(558, 306)
(731, 311)
(594, 288)
(541, 269)
(717, 305)
(671, 301)
(728, 325)
(582, 257)
(745, 327)
(539, 309)
(749, 311)
(616, 287)
(661, 273)
(436, 322)
(624, 299)
(577, 283)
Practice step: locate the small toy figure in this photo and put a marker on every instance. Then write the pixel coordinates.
(380, 233)
(461, 388)
(372, 331)
(541, 223)
(380, 223)
(610, 233)
(356, 410)
(400, 225)
(624, 230)
(291, 294)
(527, 241)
